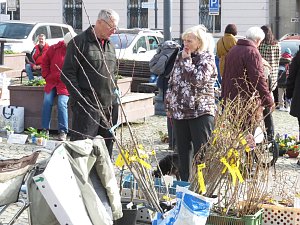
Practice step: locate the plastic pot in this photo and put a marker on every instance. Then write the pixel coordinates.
(129, 216)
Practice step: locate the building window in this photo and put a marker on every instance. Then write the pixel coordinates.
(208, 20)
(137, 16)
(14, 15)
(72, 13)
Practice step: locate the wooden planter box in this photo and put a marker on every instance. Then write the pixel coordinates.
(124, 85)
(16, 62)
(136, 105)
(31, 98)
(139, 70)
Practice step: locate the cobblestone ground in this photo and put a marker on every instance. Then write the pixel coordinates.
(147, 133)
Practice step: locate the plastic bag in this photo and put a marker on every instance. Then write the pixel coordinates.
(12, 116)
(190, 209)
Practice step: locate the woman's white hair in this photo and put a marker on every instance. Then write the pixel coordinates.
(108, 15)
(200, 32)
(255, 34)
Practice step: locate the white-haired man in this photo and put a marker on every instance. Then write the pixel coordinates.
(88, 72)
(244, 66)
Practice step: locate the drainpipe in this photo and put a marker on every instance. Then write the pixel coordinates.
(155, 9)
(181, 19)
(277, 18)
(167, 20)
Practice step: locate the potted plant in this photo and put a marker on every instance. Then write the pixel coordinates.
(41, 138)
(225, 165)
(293, 151)
(163, 137)
(9, 130)
(285, 143)
(36, 82)
(32, 134)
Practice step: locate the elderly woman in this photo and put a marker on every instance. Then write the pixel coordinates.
(190, 96)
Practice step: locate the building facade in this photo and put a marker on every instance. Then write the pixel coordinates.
(282, 15)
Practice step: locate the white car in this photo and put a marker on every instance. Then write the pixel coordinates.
(136, 44)
(22, 36)
(292, 44)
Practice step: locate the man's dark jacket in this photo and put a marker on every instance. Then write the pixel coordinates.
(88, 64)
(293, 86)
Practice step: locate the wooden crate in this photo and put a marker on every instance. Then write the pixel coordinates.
(137, 106)
(138, 70)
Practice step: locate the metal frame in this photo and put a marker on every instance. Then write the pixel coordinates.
(136, 15)
(212, 23)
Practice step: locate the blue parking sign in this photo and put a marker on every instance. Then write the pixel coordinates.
(214, 7)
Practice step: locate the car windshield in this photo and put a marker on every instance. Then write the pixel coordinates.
(121, 41)
(15, 30)
(293, 45)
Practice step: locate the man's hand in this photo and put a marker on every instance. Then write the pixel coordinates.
(36, 67)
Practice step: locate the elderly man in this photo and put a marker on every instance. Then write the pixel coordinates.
(37, 55)
(244, 66)
(89, 74)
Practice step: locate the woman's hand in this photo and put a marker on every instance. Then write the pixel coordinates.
(186, 53)
(168, 114)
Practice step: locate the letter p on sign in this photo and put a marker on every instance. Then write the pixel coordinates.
(213, 7)
(213, 3)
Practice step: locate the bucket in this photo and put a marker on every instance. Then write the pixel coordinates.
(129, 216)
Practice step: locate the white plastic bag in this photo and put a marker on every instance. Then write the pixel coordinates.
(12, 116)
(190, 209)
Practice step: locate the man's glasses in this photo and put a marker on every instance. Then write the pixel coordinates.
(111, 28)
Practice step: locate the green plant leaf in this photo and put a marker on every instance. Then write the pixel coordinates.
(32, 131)
(36, 82)
(8, 128)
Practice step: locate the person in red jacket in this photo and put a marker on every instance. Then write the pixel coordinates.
(51, 69)
(37, 55)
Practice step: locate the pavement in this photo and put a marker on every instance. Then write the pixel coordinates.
(146, 132)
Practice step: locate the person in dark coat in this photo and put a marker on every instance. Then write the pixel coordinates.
(293, 87)
(243, 60)
(89, 74)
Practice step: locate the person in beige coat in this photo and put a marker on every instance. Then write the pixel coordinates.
(225, 43)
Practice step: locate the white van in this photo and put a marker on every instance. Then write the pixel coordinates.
(136, 44)
(22, 36)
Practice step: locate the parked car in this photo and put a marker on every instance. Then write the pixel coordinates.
(22, 36)
(136, 44)
(291, 43)
(289, 36)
